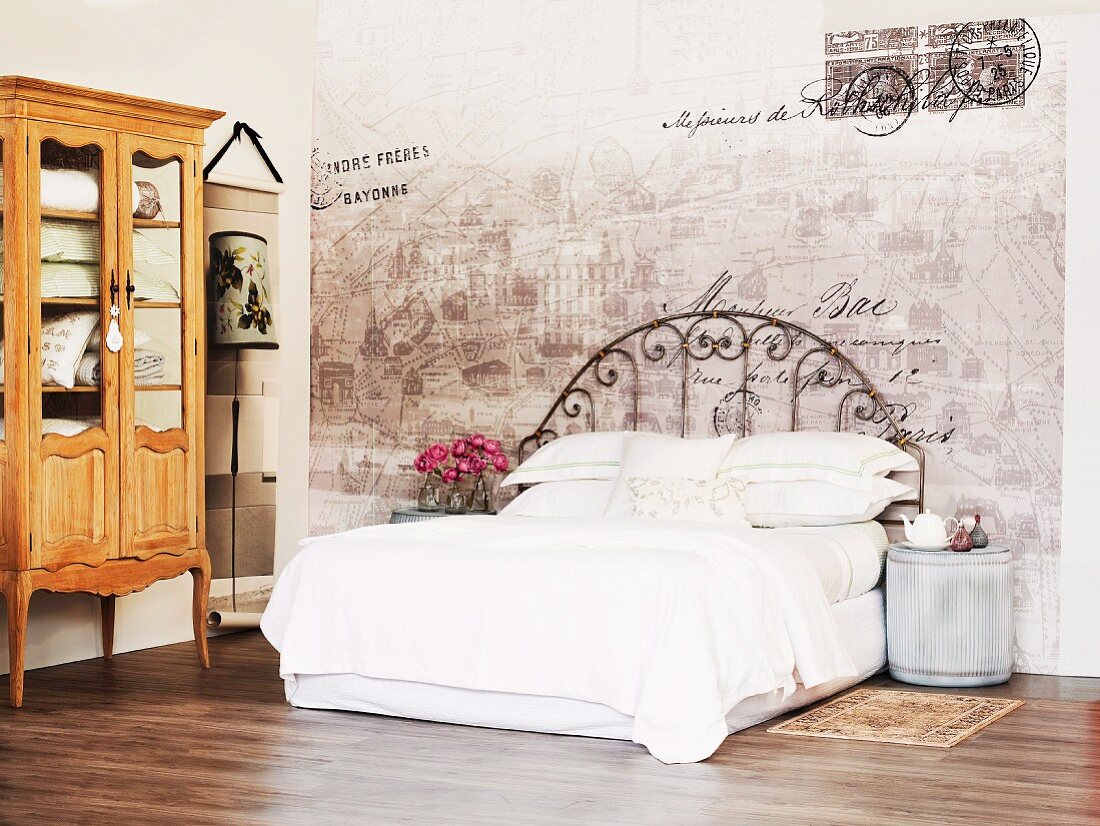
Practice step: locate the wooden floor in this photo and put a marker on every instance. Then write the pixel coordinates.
(149, 738)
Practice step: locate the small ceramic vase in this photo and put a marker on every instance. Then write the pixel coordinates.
(978, 536)
(960, 541)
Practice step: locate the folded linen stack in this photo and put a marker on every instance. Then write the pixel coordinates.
(71, 254)
(77, 190)
(148, 368)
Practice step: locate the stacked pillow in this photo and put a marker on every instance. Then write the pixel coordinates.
(808, 478)
(774, 480)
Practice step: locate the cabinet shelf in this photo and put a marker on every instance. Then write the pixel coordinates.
(90, 388)
(70, 215)
(94, 302)
(73, 302)
(138, 223)
(154, 223)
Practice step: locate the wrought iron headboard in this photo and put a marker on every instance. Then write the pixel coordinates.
(693, 339)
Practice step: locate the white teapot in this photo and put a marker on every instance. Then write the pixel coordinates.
(928, 531)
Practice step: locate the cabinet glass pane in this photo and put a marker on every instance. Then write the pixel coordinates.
(157, 293)
(70, 262)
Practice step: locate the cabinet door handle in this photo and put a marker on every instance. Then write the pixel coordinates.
(114, 288)
(129, 291)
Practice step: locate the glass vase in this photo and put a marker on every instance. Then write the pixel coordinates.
(480, 499)
(456, 501)
(428, 498)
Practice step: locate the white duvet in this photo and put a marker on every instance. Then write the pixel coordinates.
(671, 623)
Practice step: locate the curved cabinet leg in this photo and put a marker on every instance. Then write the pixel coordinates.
(17, 593)
(201, 575)
(107, 614)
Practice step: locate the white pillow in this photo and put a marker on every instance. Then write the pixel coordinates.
(694, 500)
(572, 498)
(64, 339)
(140, 338)
(577, 456)
(651, 454)
(849, 459)
(812, 503)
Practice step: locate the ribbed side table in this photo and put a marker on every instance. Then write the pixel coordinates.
(402, 515)
(949, 615)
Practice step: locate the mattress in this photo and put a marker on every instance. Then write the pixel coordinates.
(861, 620)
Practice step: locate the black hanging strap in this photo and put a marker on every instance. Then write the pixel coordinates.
(254, 136)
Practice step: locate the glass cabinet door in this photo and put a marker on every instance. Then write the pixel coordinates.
(157, 243)
(72, 283)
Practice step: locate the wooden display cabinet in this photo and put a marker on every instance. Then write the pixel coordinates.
(102, 470)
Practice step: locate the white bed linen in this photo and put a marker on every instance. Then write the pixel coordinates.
(848, 560)
(861, 621)
(670, 623)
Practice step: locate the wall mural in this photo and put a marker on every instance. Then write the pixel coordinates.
(499, 191)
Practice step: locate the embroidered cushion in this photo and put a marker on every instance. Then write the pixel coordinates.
(695, 500)
(64, 339)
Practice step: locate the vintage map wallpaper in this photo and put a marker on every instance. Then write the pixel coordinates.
(502, 186)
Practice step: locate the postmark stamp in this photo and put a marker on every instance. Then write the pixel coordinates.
(879, 91)
(325, 185)
(993, 62)
(732, 408)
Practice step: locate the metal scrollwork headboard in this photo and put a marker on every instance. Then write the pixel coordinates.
(679, 344)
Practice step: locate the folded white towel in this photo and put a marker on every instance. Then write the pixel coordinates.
(148, 368)
(75, 189)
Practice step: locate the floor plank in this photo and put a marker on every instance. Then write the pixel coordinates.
(151, 738)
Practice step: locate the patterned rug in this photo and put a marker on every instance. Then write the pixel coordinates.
(910, 718)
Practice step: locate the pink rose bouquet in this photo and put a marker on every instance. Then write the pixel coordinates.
(467, 456)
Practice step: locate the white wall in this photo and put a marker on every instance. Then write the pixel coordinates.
(1080, 569)
(254, 60)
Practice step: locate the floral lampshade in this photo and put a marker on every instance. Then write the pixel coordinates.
(241, 292)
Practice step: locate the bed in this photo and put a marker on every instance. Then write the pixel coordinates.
(671, 631)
